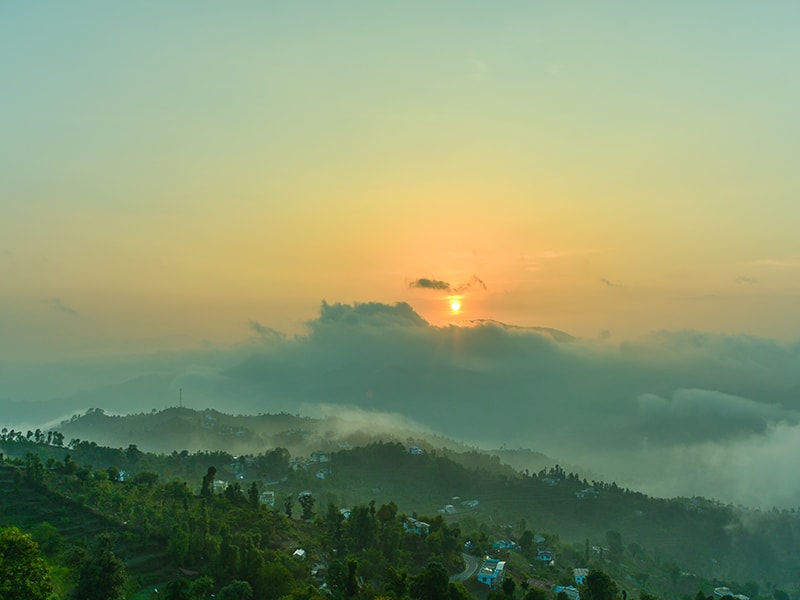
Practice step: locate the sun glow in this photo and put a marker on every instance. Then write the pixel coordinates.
(455, 306)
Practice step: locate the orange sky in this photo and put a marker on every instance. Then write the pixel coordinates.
(617, 170)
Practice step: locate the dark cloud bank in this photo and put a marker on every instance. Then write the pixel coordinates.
(674, 413)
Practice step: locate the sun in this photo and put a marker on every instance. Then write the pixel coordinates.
(455, 306)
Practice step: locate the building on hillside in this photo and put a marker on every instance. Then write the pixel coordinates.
(580, 576)
(569, 590)
(492, 572)
(411, 525)
(546, 555)
(416, 450)
(586, 494)
(721, 592)
(319, 457)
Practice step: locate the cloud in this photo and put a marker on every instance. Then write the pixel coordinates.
(781, 263)
(58, 305)
(745, 279)
(430, 284)
(473, 283)
(264, 332)
(669, 413)
(706, 415)
(437, 284)
(616, 409)
(609, 283)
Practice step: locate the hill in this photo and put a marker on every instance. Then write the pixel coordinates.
(668, 546)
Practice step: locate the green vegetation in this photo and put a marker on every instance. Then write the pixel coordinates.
(366, 522)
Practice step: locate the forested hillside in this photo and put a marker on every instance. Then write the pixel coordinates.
(344, 521)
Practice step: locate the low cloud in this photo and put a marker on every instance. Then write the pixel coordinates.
(670, 413)
(437, 284)
(745, 279)
(265, 333)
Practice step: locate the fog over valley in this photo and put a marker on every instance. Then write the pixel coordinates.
(670, 413)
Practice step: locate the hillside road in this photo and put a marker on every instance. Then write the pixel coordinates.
(471, 565)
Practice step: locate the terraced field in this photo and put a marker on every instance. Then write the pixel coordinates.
(26, 507)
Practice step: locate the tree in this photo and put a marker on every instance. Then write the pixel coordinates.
(457, 591)
(509, 585)
(48, 537)
(238, 590)
(23, 572)
(526, 541)
(207, 487)
(101, 576)
(599, 586)
(307, 502)
(615, 547)
(253, 495)
(177, 589)
(431, 583)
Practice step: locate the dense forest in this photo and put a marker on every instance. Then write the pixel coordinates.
(379, 520)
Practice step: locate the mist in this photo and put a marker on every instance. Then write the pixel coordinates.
(671, 413)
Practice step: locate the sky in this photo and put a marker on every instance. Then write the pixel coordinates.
(179, 180)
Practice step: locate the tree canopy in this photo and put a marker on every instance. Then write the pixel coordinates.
(23, 573)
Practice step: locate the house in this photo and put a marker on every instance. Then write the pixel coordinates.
(470, 503)
(580, 576)
(323, 473)
(505, 545)
(416, 450)
(447, 509)
(546, 555)
(267, 498)
(587, 494)
(299, 554)
(319, 457)
(721, 592)
(569, 590)
(411, 525)
(492, 572)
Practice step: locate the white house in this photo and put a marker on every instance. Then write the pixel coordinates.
(411, 525)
